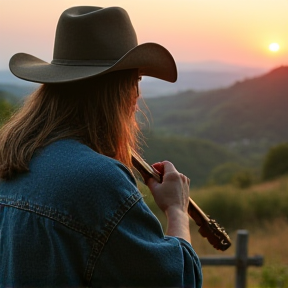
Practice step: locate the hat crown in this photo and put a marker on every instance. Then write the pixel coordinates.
(93, 33)
(92, 41)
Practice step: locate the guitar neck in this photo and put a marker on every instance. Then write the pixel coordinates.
(209, 228)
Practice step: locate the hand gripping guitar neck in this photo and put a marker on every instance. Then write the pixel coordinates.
(209, 228)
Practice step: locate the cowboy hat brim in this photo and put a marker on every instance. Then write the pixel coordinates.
(150, 58)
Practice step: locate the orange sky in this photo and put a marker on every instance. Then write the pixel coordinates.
(231, 31)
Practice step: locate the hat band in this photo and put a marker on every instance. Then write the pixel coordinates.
(66, 62)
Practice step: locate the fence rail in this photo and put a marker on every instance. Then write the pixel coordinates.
(240, 260)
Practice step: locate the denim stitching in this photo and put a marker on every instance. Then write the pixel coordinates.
(99, 239)
(108, 229)
(52, 214)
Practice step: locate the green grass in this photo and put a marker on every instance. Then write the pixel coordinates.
(260, 209)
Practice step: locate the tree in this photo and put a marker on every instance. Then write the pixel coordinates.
(275, 162)
(6, 110)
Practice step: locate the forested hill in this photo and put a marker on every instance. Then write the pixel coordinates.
(251, 110)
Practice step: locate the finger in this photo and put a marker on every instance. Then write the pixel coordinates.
(184, 179)
(169, 167)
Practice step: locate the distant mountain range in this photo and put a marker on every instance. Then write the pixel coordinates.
(246, 114)
(199, 76)
(252, 110)
(14, 86)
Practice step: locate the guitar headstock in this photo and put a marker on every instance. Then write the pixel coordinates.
(215, 234)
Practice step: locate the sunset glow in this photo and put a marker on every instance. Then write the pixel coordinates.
(193, 30)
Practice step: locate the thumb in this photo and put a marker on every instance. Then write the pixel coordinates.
(159, 167)
(152, 184)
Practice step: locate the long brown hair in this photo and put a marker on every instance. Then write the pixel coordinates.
(98, 111)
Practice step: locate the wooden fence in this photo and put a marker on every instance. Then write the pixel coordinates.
(240, 260)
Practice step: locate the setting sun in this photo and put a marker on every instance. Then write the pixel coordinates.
(274, 47)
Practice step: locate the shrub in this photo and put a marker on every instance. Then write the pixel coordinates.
(274, 276)
(224, 173)
(243, 179)
(232, 173)
(234, 208)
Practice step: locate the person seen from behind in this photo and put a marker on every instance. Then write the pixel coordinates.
(70, 211)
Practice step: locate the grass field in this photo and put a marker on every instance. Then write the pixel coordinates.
(263, 211)
(270, 241)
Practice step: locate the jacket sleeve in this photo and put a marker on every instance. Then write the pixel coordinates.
(139, 254)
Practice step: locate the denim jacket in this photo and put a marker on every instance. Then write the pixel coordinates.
(77, 219)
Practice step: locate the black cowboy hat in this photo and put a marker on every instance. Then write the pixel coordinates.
(93, 41)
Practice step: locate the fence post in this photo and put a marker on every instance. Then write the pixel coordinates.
(241, 258)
